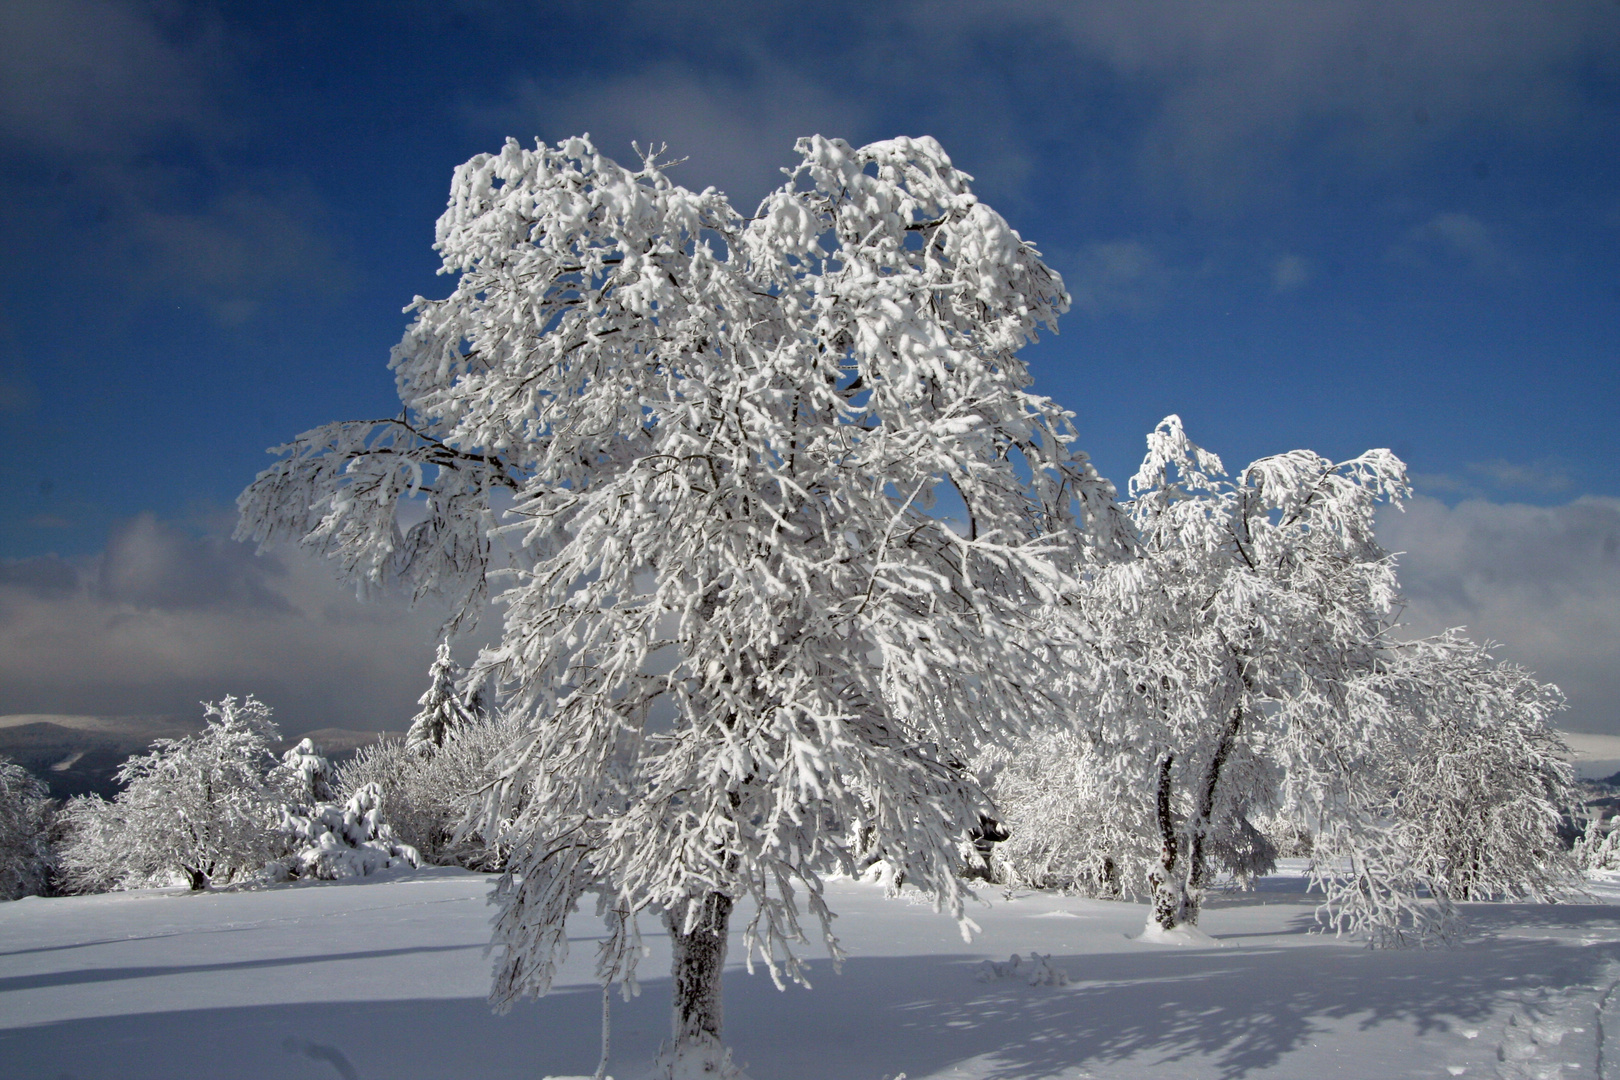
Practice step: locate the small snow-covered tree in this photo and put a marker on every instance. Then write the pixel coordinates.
(446, 705)
(25, 821)
(196, 807)
(733, 623)
(303, 775)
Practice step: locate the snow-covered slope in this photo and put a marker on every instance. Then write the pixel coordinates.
(385, 980)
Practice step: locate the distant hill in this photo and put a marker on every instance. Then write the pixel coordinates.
(79, 755)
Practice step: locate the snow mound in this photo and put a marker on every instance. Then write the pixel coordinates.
(1154, 934)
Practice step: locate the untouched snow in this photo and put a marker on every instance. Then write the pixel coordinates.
(385, 980)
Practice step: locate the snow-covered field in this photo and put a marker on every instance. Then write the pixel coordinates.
(386, 980)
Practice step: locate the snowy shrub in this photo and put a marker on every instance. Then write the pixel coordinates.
(345, 840)
(1598, 845)
(429, 799)
(1070, 818)
(196, 809)
(1039, 971)
(25, 822)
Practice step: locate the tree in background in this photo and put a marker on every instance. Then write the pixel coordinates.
(734, 628)
(1462, 801)
(1244, 664)
(446, 704)
(196, 807)
(25, 824)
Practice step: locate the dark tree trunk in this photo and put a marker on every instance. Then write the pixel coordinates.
(197, 879)
(1167, 881)
(699, 958)
(1197, 868)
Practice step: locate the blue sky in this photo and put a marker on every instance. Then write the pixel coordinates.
(1328, 225)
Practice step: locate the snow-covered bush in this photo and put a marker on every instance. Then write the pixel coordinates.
(195, 809)
(1459, 795)
(431, 799)
(1598, 845)
(25, 823)
(346, 840)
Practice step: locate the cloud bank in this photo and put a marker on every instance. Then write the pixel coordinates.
(161, 620)
(1543, 581)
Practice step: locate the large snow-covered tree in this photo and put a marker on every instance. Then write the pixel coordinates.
(737, 620)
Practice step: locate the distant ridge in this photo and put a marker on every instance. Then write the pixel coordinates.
(80, 755)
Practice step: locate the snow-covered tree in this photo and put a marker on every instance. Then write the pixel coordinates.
(25, 820)
(197, 808)
(1461, 799)
(1216, 652)
(736, 621)
(1245, 665)
(303, 775)
(446, 704)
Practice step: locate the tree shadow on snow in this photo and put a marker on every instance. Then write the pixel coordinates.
(1228, 1012)
(78, 976)
(1233, 1011)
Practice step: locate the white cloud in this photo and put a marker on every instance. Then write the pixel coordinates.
(736, 129)
(100, 78)
(1289, 272)
(1538, 476)
(1237, 82)
(161, 620)
(1122, 276)
(1453, 238)
(1543, 581)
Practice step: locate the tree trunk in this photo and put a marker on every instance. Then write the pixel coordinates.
(694, 1050)
(1169, 895)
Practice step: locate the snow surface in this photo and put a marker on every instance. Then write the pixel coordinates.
(385, 980)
